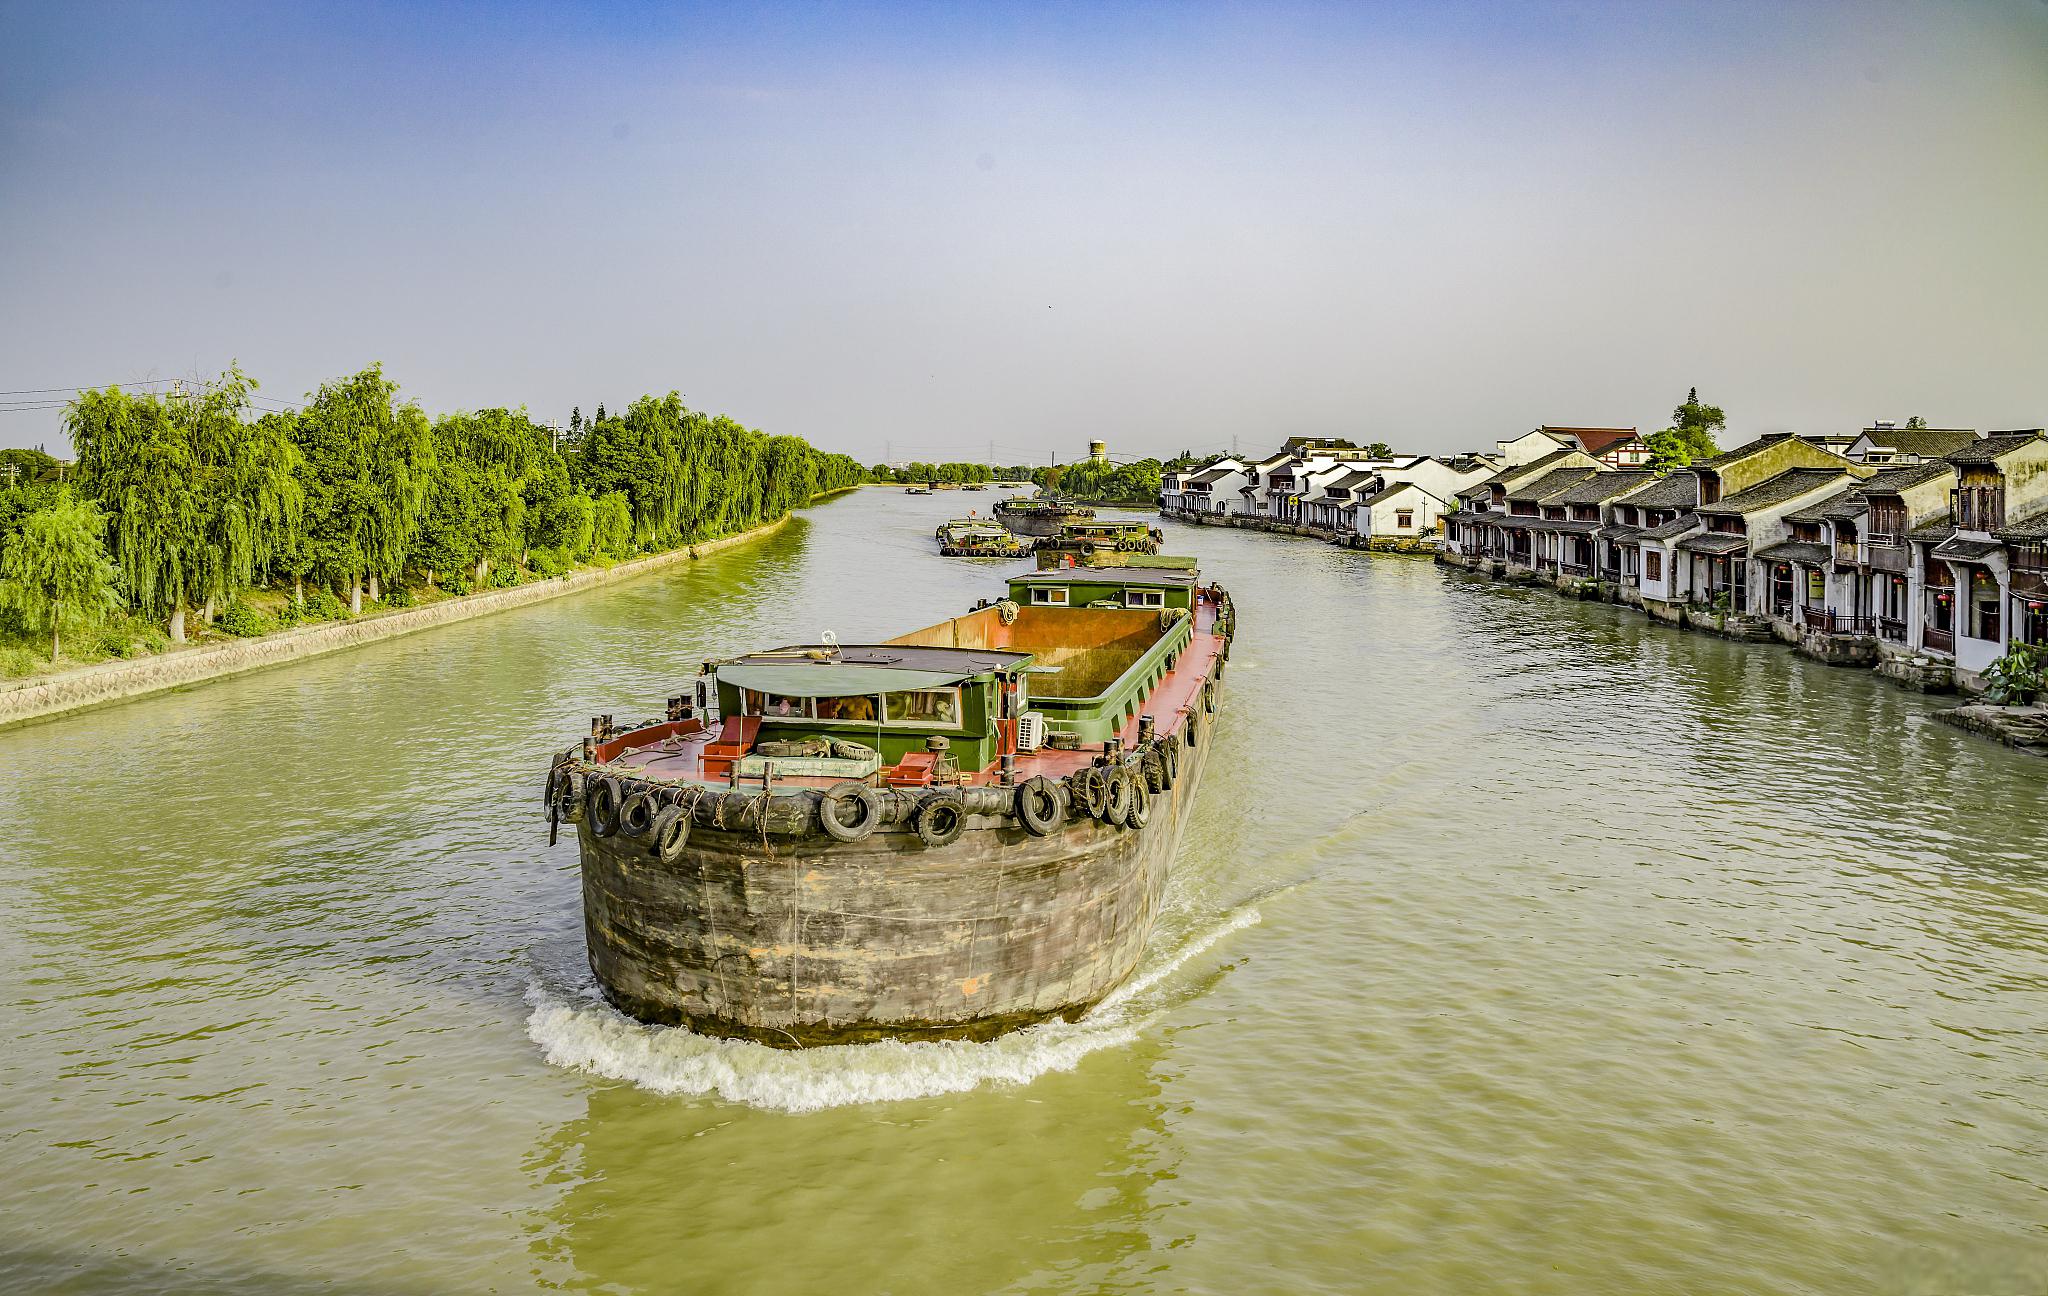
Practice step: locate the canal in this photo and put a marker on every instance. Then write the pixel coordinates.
(1518, 944)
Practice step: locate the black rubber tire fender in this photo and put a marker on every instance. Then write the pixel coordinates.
(569, 797)
(940, 819)
(1118, 796)
(670, 833)
(1209, 697)
(636, 816)
(1038, 805)
(863, 800)
(1091, 791)
(1139, 811)
(1191, 728)
(1152, 771)
(603, 803)
(1170, 750)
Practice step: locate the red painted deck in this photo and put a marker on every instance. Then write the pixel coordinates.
(678, 751)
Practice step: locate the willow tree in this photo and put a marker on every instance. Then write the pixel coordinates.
(56, 571)
(135, 460)
(252, 501)
(369, 466)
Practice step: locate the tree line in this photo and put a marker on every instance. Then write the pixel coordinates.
(182, 502)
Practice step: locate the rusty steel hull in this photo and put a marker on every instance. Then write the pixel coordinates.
(808, 941)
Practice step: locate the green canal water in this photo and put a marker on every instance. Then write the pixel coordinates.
(1518, 945)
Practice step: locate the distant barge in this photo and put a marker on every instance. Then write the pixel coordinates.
(978, 538)
(958, 832)
(1040, 518)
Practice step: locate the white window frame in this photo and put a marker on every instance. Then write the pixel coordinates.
(1144, 598)
(959, 711)
(1050, 596)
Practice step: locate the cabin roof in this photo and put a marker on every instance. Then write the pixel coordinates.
(862, 668)
(1160, 576)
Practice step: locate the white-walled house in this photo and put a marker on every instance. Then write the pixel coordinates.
(1402, 510)
(1208, 488)
(1887, 444)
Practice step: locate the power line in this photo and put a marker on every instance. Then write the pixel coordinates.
(37, 391)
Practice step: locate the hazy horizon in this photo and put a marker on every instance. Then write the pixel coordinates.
(931, 230)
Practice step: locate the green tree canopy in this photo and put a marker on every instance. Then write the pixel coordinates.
(56, 573)
(1691, 435)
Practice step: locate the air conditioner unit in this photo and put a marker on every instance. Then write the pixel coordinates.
(1030, 732)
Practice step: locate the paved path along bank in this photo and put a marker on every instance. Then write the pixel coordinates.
(117, 681)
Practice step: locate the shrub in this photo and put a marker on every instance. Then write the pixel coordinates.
(321, 605)
(507, 576)
(2019, 677)
(399, 597)
(241, 621)
(17, 662)
(551, 562)
(455, 585)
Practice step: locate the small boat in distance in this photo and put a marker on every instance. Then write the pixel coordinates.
(917, 490)
(951, 834)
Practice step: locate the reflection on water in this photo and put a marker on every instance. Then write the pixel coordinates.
(1516, 943)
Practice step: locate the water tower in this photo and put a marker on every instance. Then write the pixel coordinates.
(1099, 451)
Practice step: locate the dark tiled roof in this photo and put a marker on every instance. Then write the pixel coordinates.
(1742, 451)
(1813, 555)
(1677, 490)
(1823, 508)
(1928, 443)
(1788, 485)
(1890, 481)
(1550, 483)
(1396, 489)
(1601, 487)
(1849, 504)
(1350, 479)
(1213, 474)
(1965, 550)
(1621, 534)
(1715, 543)
(2026, 528)
(1677, 526)
(1994, 446)
(1938, 529)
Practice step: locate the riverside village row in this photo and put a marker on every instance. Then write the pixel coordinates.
(1921, 552)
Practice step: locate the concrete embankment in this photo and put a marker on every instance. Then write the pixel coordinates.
(117, 681)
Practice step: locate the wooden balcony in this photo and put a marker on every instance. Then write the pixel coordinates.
(1892, 628)
(1938, 640)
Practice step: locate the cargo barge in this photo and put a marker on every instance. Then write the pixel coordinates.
(952, 834)
(1041, 519)
(978, 538)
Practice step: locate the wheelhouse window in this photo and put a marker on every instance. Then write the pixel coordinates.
(1055, 596)
(859, 709)
(774, 706)
(928, 708)
(1137, 598)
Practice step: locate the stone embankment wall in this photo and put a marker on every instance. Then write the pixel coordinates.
(116, 681)
(1348, 539)
(2024, 727)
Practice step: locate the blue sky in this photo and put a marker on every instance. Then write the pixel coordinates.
(932, 228)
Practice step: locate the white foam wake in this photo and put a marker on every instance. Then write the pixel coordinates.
(581, 1031)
